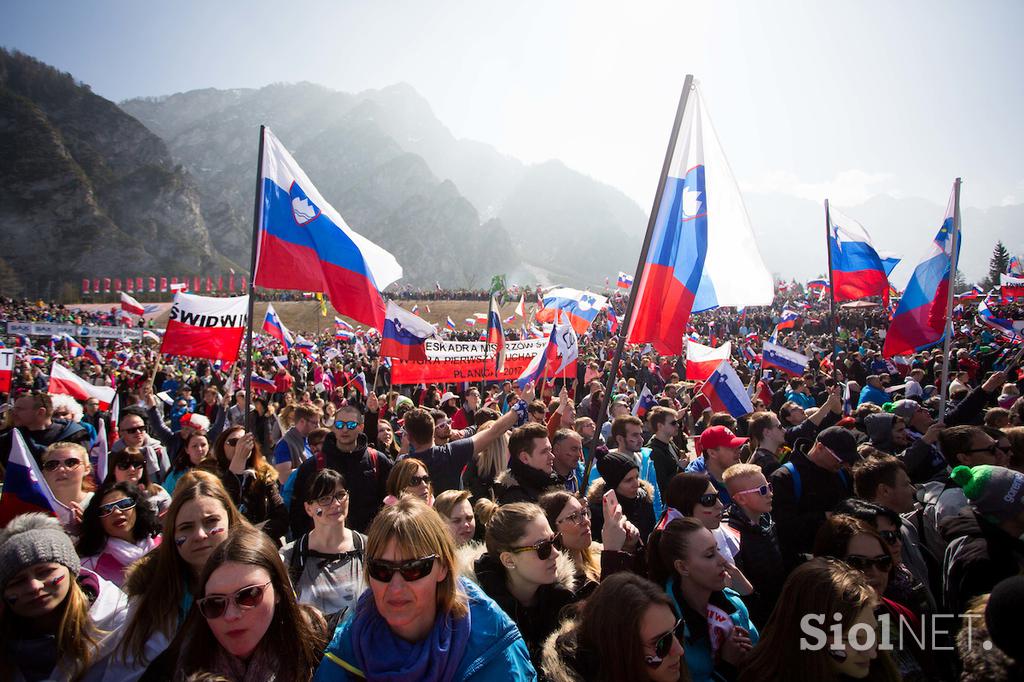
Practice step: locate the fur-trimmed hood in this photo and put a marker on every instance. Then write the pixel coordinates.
(597, 489)
(467, 555)
(558, 655)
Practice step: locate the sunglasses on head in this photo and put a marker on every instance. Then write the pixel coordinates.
(411, 571)
(708, 499)
(346, 425)
(69, 463)
(126, 464)
(215, 605)
(543, 548)
(662, 646)
(762, 490)
(416, 480)
(890, 536)
(134, 429)
(882, 562)
(124, 504)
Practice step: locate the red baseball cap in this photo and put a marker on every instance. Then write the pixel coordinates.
(720, 437)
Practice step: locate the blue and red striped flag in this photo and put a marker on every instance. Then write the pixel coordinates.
(25, 490)
(405, 334)
(857, 269)
(496, 335)
(273, 325)
(920, 319)
(726, 392)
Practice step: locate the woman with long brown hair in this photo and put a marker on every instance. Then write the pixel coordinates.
(251, 481)
(246, 624)
(820, 589)
(409, 476)
(161, 585)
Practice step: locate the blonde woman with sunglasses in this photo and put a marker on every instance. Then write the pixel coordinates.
(66, 470)
(419, 620)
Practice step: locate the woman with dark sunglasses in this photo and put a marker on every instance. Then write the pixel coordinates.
(409, 477)
(524, 570)
(419, 620)
(128, 465)
(251, 481)
(715, 627)
(326, 564)
(639, 644)
(118, 528)
(862, 548)
(65, 468)
(246, 624)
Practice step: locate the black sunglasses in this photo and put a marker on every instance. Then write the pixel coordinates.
(883, 562)
(69, 463)
(411, 571)
(890, 536)
(215, 605)
(662, 646)
(232, 441)
(543, 548)
(126, 464)
(708, 499)
(124, 504)
(134, 429)
(990, 449)
(416, 480)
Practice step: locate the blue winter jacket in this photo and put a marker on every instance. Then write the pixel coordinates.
(698, 649)
(496, 650)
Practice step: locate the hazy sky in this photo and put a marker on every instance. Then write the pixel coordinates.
(814, 98)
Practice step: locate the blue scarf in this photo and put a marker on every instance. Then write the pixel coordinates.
(382, 655)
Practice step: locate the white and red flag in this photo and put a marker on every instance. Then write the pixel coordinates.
(130, 305)
(205, 327)
(64, 381)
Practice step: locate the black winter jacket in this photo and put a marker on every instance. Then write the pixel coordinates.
(760, 560)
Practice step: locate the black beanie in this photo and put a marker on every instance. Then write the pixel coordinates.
(614, 467)
(1002, 616)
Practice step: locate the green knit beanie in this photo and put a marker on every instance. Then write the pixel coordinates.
(995, 491)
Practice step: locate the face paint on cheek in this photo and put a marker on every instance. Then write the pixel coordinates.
(53, 582)
(217, 531)
(178, 542)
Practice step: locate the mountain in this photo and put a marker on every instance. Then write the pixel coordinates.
(459, 209)
(84, 181)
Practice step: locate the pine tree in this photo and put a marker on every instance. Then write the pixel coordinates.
(10, 285)
(996, 265)
(960, 284)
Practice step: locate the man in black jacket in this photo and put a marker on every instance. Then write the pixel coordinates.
(664, 453)
(530, 470)
(364, 469)
(808, 487)
(32, 416)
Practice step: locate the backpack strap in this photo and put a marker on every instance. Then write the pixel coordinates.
(298, 561)
(373, 459)
(798, 488)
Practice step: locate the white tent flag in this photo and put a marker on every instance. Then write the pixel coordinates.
(734, 272)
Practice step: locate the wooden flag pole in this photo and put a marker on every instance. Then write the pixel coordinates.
(955, 238)
(638, 277)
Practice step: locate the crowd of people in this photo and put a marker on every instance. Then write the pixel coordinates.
(856, 525)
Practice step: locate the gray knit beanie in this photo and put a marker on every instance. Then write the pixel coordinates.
(31, 539)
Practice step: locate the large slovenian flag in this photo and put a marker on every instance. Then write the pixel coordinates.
(920, 319)
(581, 307)
(305, 244)
(405, 334)
(205, 327)
(273, 325)
(64, 381)
(496, 335)
(701, 360)
(130, 305)
(857, 269)
(702, 253)
(789, 361)
(25, 490)
(726, 392)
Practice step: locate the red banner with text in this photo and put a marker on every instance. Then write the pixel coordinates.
(458, 361)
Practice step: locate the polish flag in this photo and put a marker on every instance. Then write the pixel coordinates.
(130, 305)
(66, 382)
(205, 327)
(702, 361)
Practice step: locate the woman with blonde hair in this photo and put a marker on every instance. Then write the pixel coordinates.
(161, 586)
(409, 476)
(251, 481)
(419, 620)
(65, 467)
(822, 589)
(479, 475)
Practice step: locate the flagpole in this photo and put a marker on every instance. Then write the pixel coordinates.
(487, 342)
(833, 318)
(252, 275)
(949, 299)
(638, 276)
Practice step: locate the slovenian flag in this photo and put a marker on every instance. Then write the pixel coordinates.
(644, 402)
(788, 319)
(359, 383)
(701, 360)
(920, 318)
(726, 392)
(342, 324)
(305, 244)
(580, 306)
(74, 348)
(273, 325)
(789, 361)
(450, 323)
(625, 281)
(1002, 325)
(262, 384)
(496, 335)
(25, 490)
(64, 381)
(405, 334)
(304, 346)
(702, 251)
(857, 269)
(561, 350)
(613, 321)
